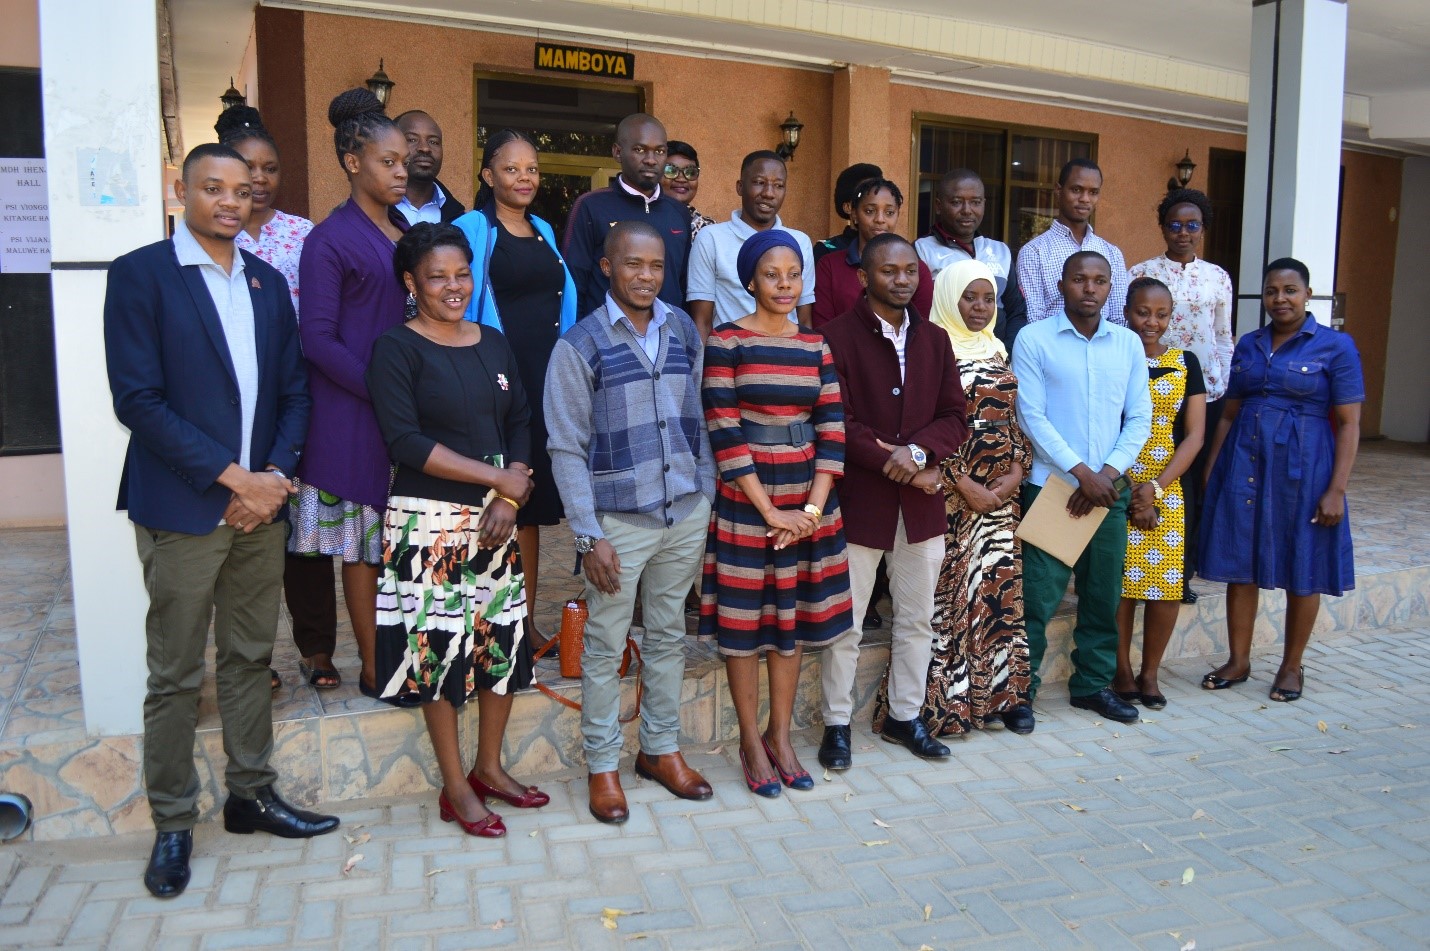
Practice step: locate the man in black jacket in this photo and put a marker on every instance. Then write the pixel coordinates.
(635, 196)
(427, 199)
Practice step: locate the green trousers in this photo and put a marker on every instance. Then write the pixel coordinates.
(1099, 591)
(235, 580)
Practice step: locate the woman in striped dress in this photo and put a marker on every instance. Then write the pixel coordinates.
(775, 578)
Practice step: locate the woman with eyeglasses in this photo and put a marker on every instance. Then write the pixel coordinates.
(682, 181)
(1200, 324)
(525, 290)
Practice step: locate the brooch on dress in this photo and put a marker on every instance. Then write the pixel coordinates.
(253, 283)
(502, 381)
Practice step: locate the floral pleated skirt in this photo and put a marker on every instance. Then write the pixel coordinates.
(450, 614)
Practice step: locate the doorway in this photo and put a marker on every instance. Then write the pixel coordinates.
(573, 125)
(1226, 186)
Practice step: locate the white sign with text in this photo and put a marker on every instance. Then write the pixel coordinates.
(24, 217)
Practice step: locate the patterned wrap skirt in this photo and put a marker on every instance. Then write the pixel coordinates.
(450, 614)
(323, 524)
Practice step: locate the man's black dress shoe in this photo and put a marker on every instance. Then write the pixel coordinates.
(914, 735)
(834, 751)
(1108, 704)
(1020, 719)
(168, 873)
(269, 813)
(873, 620)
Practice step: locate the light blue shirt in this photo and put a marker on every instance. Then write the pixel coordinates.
(1081, 400)
(229, 290)
(650, 341)
(430, 212)
(711, 274)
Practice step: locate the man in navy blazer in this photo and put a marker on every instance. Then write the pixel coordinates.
(202, 349)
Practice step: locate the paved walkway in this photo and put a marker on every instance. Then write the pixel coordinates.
(1223, 820)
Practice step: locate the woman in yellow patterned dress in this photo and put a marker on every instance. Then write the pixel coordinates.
(1156, 533)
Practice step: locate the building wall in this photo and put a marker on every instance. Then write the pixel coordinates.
(1407, 395)
(726, 109)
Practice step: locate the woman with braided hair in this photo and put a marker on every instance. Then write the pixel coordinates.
(349, 300)
(277, 237)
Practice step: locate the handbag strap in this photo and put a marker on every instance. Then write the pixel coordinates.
(632, 649)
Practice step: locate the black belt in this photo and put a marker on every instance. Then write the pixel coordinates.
(980, 425)
(795, 434)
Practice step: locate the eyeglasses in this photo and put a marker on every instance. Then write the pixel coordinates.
(1176, 227)
(688, 172)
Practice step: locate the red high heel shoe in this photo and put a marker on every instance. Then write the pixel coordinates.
(530, 798)
(489, 828)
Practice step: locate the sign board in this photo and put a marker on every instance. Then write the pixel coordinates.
(585, 61)
(24, 217)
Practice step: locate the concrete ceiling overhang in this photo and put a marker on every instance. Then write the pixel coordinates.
(1148, 58)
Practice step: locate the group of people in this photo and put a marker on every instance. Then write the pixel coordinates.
(416, 389)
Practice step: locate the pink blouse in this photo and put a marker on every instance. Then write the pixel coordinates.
(280, 243)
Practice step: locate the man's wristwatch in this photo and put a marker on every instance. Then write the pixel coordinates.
(921, 458)
(584, 544)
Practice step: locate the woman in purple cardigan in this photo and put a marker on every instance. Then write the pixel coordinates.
(349, 300)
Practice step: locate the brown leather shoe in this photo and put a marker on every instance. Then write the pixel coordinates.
(608, 800)
(672, 772)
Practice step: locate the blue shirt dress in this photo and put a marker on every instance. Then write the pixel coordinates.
(1276, 464)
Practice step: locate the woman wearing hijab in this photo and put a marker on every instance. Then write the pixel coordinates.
(979, 670)
(776, 576)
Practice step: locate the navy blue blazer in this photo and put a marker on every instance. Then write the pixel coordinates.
(174, 386)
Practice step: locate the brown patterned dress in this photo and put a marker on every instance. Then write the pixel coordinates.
(980, 652)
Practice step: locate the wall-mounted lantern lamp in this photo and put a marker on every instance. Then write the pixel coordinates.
(380, 84)
(789, 133)
(1185, 168)
(232, 97)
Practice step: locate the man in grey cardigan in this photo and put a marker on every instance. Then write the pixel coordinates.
(632, 459)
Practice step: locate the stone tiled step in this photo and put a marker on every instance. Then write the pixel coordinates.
(347, 749)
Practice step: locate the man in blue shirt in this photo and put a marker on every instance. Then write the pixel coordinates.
(1083, 400)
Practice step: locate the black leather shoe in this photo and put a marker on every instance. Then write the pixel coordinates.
(1020, 719)
(1107, 704)
(914, 735)
(269, 813)
(873, 620)
(168, 873)
(834, 751)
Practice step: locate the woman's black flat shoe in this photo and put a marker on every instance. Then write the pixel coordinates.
(406, 700)
(1152, 701)
(1213, 682)
(1289, 696)
(1128, 696)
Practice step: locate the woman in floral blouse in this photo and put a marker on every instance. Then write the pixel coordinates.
(1201, 323)
(277, 237)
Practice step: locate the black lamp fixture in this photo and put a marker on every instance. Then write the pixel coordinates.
(380, 84)
(789, 132)
(232, 97)
(1185, 168)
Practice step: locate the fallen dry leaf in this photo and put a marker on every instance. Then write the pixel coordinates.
(1385, 789)
(435, 871)
(1194, 757)
(1189, 946)
(1147, 847)
(1081, 780)
(1341, 749)
(532, 833)
(1117, 736)
(874, 842)
(882, 824)
(609, 923)
(501, 923)
(1407, 726)
(1321, 725)
(715, 750)
(826, 775)
(1199, 814)
(1079, 754)
(352, 861)
(865, 749)
(924, 947)
(1280, 749)
(613, 913)
(1072, 925)
(848, 796)
(1072, 806)
(1308, 848)
(928, 912)
(1118, 778)
(1188, 875)
(1263, 707)
(1107, 749)
(1175, 934)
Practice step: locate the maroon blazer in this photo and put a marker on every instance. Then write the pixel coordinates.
(927, 408)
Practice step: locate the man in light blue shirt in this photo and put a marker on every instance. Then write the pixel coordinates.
(1083, 400)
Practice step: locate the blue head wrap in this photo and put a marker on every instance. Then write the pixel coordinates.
(757, 246)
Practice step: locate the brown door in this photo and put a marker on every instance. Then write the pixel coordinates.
(1226, 181)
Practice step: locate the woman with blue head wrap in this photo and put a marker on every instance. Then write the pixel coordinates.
(776, 577)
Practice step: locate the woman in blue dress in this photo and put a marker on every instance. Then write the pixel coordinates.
(1276, 514)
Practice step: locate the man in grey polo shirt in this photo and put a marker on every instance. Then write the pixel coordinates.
(715, 293)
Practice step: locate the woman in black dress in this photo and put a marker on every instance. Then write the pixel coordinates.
(451, 601)
(523, 289)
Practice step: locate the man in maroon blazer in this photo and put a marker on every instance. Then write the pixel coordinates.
(903, 412)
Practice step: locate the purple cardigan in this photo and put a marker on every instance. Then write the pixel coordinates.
(350, 298)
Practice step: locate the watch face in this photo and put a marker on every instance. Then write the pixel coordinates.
(919, 456)
(584, 544)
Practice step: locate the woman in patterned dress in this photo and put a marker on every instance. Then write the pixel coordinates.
(1157, 523)
(277, 237)
(978, 674)
(451, 600)
(776, 578)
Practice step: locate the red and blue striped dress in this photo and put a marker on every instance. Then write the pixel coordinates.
(752, 597)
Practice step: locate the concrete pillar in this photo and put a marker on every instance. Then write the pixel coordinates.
(101, 101)
(1293, 147)
(860, 132)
